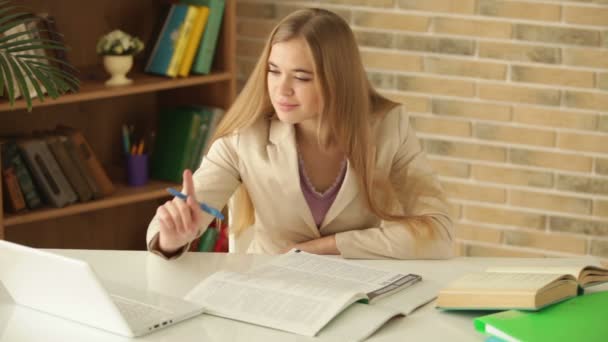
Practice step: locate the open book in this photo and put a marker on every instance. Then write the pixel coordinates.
(525, 288)
(298, 292)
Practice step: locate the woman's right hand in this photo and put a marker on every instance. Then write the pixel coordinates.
(179, 220)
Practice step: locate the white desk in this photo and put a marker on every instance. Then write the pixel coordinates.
(144, 270)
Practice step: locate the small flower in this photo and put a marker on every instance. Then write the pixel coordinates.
(119, 43)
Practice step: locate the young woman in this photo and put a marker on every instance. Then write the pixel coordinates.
(318, 159)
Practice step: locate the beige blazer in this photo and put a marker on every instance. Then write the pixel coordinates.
(265, 159)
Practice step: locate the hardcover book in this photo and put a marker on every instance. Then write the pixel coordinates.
(47, 173)
(524, 288)
(69, 168)
(11, 156)
(165, 47)
(206, 49)
(94, 167)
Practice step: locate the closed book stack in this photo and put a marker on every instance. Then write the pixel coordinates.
(80, 163)
(69, 167)
(187, 40)
(47, 173)
(166, 44)
(206, 49)
(194, 39)
(92, 164)
(175, 142)
(181, 43)
(210, 117)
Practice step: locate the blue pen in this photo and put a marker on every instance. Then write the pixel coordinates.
(203, 206)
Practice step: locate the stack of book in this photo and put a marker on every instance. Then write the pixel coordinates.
(541, 303)
(54, 168)
(187, 40)
(182, 139)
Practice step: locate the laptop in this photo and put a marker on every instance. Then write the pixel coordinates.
(69, 288)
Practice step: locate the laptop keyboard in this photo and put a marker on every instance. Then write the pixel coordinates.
(139, 313)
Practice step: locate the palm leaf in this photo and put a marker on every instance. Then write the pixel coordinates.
(23, 68)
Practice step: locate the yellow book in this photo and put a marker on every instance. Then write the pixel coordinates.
(182, 41)
(194, 40)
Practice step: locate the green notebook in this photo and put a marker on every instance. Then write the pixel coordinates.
(582, 318)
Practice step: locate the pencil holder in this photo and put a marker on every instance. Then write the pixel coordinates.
(137, 169)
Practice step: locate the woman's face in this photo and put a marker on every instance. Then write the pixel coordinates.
(291, 82)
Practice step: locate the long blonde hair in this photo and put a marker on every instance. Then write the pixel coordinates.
(349, 102)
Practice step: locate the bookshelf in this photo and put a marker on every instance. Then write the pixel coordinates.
(118, 221)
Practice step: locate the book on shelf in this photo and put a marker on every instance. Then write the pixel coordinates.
(298, 292)
(47, 173)
(208, 122)
(80, 163)
(206, 242)
(581, 318)
(524, 288)
(217, 114)
(11, 156)
(165, 47)
(68, 166)
(13, 196)
(175, 142)
(92, 164)
(207, 46)
(181, 42)
(194, 39)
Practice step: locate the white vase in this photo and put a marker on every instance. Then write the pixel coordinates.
(118, 67)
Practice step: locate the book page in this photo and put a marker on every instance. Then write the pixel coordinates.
(572, 270)
(338, 274)
(228, 294)
(502, 281)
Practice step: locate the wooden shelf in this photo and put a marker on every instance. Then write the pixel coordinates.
(123, 195)
(93, 89)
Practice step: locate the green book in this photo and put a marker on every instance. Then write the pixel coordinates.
(176, 138)
(206, 48)
(208, 239)
(582, 318)
(204, 134)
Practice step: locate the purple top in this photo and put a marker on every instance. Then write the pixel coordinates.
(319, 203)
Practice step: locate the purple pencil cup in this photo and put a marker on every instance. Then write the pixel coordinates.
(137, 169)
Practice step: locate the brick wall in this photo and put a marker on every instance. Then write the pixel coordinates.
(510, 99)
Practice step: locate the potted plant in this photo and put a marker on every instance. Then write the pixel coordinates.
(118, 49)
(28, 64)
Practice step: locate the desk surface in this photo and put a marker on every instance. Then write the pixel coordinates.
(147, 271)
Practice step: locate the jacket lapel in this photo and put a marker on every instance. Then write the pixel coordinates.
(283, 157)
